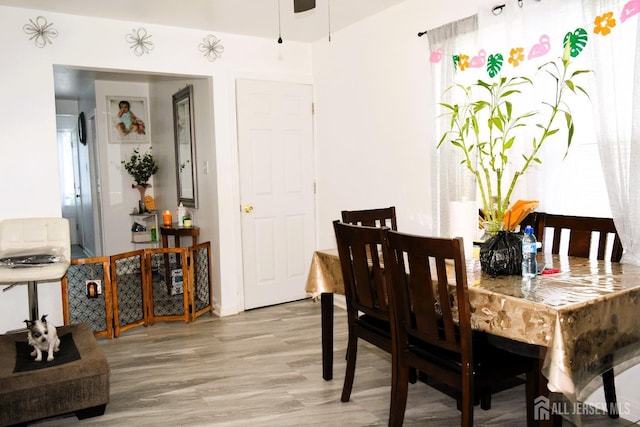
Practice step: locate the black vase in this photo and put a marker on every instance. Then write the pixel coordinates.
(501, 254)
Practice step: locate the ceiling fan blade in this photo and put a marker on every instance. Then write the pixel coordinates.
(303, 5)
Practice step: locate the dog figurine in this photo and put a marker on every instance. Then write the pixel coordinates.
(43, 337)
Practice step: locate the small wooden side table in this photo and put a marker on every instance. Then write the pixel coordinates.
(177, 232)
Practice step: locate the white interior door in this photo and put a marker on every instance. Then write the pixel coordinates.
(94, 220)
(69, 173)
(78, 191)
(275, 141)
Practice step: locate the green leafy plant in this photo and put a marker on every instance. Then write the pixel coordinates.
(485, 128)
(141, 166)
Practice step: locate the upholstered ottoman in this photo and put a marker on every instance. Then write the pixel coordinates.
(77, 380)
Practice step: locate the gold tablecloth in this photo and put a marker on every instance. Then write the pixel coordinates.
(587, 315)
(325, 274)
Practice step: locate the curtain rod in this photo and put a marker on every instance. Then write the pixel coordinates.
(496, 10)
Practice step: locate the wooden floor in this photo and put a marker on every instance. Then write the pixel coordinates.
(77, 252)
(263, 368)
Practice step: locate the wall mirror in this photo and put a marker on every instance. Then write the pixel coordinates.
(183, 127)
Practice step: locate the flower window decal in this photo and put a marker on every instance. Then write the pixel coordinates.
(463, 62)
(516, 56)
(575, 41)
(41, 31)
(211, 47)
(140, 41)
(604, 23)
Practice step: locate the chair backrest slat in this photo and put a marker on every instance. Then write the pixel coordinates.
(426, 319)
(372, 217)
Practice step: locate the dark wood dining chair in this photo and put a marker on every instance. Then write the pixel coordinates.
(365, 292)
(372, 217)
(581, 239)
(581, 230)
(435, 336)
(535, 220)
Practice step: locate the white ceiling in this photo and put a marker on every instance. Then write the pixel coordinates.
(249, 17)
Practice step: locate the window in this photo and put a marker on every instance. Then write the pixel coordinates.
(65, 148)
(574, 185)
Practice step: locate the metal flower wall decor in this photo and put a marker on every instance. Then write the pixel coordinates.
(211, 47)
(140, 41)
(41, 31)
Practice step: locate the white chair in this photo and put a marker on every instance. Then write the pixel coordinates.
(28, 236)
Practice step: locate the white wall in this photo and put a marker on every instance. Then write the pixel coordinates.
(373, 133)
(28, 149)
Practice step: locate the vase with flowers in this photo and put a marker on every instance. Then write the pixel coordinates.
(487, 125)
(141, 167)
(486, 128)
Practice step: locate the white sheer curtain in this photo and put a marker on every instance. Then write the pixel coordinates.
(616, 104)
(449, 183)
(574, 185)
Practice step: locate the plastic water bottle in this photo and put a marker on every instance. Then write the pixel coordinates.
(182, 211)
(529, 249)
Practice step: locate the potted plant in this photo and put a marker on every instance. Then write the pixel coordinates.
(486, 128)
(141, 167)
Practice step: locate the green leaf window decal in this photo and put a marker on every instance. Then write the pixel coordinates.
(456, 59)
(494, 64)
(577, 41)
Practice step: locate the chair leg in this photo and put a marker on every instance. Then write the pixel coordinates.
(399, 392)
(609, 386)
(485, 400)
(413, 375)
(352, 350)
(467, 402)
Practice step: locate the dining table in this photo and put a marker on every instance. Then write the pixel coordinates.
(583, 318)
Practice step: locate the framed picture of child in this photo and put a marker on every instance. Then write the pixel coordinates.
(128, 119)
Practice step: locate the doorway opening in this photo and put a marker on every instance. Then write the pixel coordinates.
(75, 187)
(96, 192)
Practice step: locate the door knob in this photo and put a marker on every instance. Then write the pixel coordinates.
(248, 208)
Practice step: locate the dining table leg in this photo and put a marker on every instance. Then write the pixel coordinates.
(539, 405)
(538, 412)
(326, 309)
